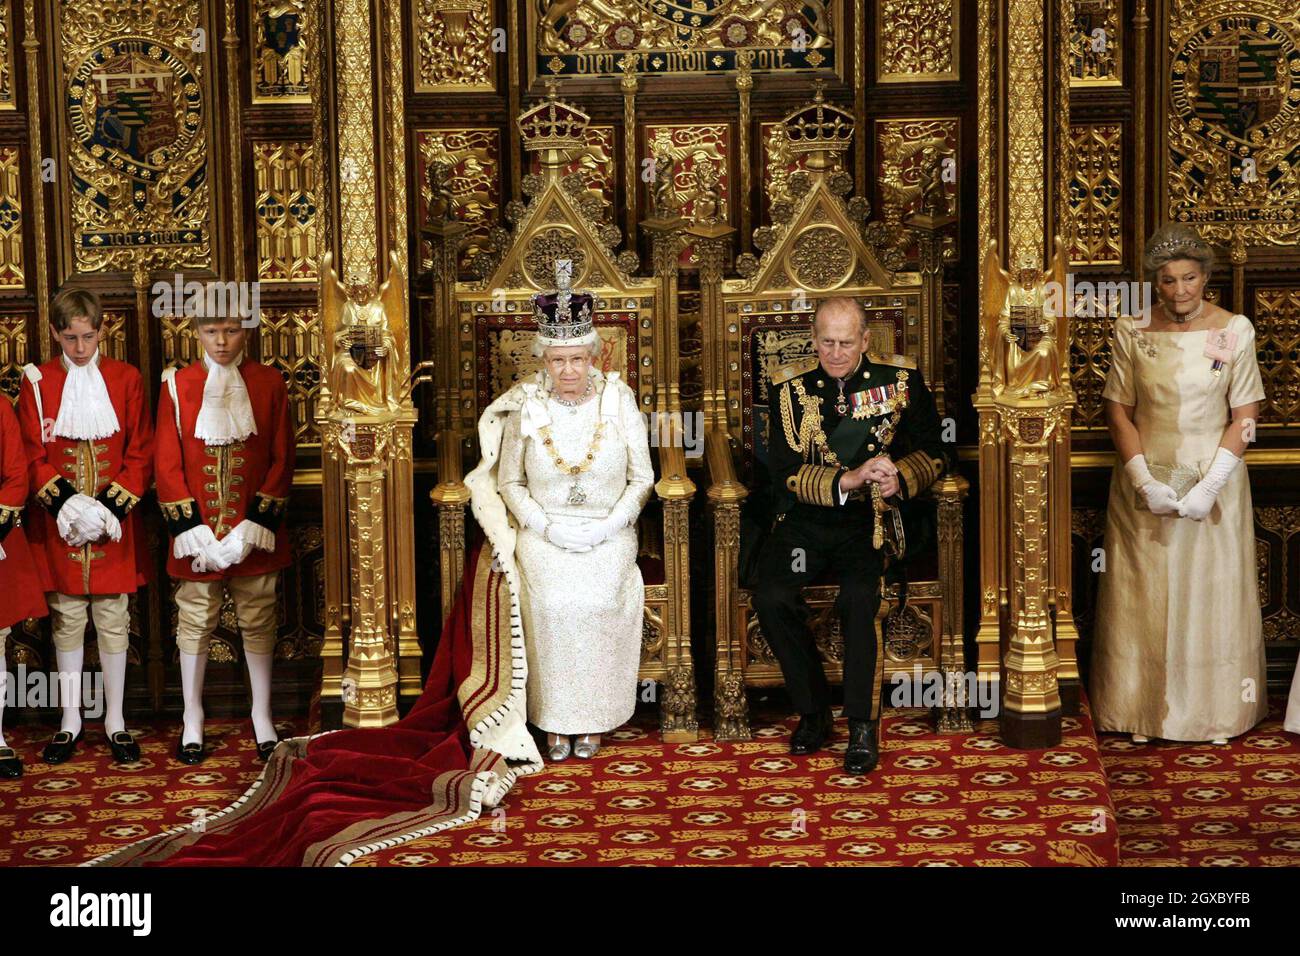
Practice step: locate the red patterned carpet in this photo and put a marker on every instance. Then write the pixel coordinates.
(935, 800)
(1183, 805)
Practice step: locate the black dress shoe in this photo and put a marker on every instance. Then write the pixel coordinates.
(864, 746)
(124, 747)
(265, 748)
(11, 765)
(190, 754)
(812, 733)
(60, 747)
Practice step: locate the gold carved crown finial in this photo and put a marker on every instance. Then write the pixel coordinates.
(553, 124)
(819, 126)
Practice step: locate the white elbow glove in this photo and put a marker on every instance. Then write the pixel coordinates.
(1196, 504)
(1160, 498)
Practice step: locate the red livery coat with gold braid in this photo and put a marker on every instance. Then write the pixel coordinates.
(22, 595)
(115, 470)
(224, 484)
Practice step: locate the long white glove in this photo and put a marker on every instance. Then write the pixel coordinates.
(570, 537)
(243, 538)
(81, 520)
(1160, 498)
(200, 544)
(1196, 504)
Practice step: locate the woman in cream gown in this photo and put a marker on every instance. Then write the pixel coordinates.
(1178, 651)
(567, 453)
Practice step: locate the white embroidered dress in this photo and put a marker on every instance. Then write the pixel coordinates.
(583, 610)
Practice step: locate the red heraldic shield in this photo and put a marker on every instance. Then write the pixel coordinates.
(115, 470)
(22, 595)
(221, 485)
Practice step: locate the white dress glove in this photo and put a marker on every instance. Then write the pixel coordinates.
(81, 520)
(112, 527)
(240, 542)
(200, 544)
(601, 531)
(570, 537)
(1196, 504)
(537, 522)
(2, 552)
(1160, 498)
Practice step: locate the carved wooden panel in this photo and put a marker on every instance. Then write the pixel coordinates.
(454, 45)
(701, 183)
(291, 342)
(474, 155)
(917, 42)
(1096, 193)
(285, 204)
(1096, 47)
(281, 61)
(12, 274)
(1277, 343)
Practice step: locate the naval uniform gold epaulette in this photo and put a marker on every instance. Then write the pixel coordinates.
(792, 370)
(887, 358)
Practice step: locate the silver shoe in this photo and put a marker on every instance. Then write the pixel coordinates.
(559, 747)
(1141, 739)
(586, 746)
(1220, 741)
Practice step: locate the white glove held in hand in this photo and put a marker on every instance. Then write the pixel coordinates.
(247, 535)
(601, 531)
(538, 521)
(1196, 504)
(1160, 498)
(81, 520)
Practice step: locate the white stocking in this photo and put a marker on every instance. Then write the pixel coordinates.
(259, 681)
(193, 667)
(4, 687)
(114, 667)
(70, 664)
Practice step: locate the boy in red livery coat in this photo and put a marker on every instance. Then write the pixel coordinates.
(21, 596)
(224, 466)
(89, 445)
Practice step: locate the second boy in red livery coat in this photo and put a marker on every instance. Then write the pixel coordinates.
(89, 445)
(224, 465)
(21, 596)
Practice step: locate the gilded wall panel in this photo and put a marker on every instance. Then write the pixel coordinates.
(1234, 123)
(286, 211)
(281, 58)
(905, 149)
(1089, 363)
(11, 219)
(916, 41)
(1096, 194)
(595, 162)
(6, 56)
(701, 183)
(569, 38)
(14, 352)
(1096, 46)
(454, 45)
(1277, 342)
(114, 329)
(180, 345)
(474, 157)
(1277, 549)
(134, 131)
(291, 342)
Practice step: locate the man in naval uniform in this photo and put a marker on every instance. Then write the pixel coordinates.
(854, 438)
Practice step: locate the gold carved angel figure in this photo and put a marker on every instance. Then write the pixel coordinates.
(1025, 325)
(369, 368)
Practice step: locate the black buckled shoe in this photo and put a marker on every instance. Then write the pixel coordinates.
(124, 747)
(265, 748)
(191, 754)
(60, 747)
(11, 765)
(863, 752)
(812, 733)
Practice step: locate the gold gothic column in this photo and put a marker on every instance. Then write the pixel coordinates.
(674, 488)
(371, 650)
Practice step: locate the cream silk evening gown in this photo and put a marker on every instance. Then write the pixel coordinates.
(1178, 652)
(584, 610)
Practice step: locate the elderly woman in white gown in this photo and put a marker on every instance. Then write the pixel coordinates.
(574, 471)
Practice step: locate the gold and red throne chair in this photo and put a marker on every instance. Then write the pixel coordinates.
(818, 246)
(488, 330)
